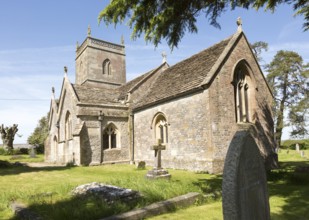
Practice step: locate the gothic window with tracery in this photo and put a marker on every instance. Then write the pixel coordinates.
(106, 66)
(110, 136)
(242, 97)
(161, 128)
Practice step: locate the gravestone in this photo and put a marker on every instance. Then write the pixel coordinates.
(32, 152)
(157, 171)
(297, 147)
(244, 186)
(302, 153)
(141, 165)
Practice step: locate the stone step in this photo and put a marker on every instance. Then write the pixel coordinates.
(158, 208)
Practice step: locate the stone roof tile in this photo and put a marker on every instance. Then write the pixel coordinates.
(124, 89)
(183, 76)
(93, 95)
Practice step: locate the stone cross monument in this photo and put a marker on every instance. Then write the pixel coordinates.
(158, 171)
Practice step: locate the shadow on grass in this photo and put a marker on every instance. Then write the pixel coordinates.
(78, 208)
(290, 188)
(211, 185)
(13, 170)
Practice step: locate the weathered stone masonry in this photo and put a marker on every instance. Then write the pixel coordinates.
(195, 107)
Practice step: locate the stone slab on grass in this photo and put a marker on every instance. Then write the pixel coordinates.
(158, 208)
(23, 213)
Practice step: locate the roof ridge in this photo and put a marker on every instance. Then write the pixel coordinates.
(147, 76)
(232, 40)
(186, 75)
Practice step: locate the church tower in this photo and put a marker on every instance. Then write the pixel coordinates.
(99, 63)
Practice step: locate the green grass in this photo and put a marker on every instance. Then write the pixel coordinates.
(22, 158)
(288, 192)
(47, 190)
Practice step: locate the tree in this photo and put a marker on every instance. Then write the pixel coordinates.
(299, 115)
(39, 134)
(7, 135)
(257, 49)
(170, 19)
(288, 79)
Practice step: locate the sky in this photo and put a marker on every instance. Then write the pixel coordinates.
(38, 38)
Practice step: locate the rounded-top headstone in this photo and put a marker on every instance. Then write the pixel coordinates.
(244, 186)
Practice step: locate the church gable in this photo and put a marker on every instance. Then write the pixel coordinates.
(183, 77)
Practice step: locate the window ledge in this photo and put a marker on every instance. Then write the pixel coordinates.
(112, 149)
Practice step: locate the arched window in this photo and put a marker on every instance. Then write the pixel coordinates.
(55, 148)
(110, 137)
(106, 66)
(161, 128)
(68, 126)
(242, 94)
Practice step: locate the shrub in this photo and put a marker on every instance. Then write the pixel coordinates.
(24, 150)
(5, 152)
(39, 149)
(2, 151)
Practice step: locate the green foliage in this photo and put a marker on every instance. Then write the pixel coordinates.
(10, 152)
(2, 151)
(288, 80)
(24, 150)
(257, 49)
(170, 20)
(290, 144)
(39, 135)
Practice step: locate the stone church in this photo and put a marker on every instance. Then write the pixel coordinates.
(195, 107)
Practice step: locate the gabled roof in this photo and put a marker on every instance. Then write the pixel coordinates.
(123, 90)
(94, 95)
(135, 83)
(184, 76)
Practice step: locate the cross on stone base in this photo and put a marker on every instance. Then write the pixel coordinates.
(158, 171)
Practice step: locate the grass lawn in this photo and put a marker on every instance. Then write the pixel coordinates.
(288, 192)
(46, 190)
(22, 158)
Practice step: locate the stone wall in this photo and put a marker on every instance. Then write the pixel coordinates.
(91, 149)
(223, 110)
(122, 152)
(90, 59)
(188, 144)
(200, 131)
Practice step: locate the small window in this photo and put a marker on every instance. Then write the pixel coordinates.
(161, 128)
(106, 66)
(110, 136)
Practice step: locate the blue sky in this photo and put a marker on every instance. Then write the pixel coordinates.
(38, 38)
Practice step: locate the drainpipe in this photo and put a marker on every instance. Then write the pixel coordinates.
(101, 118)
